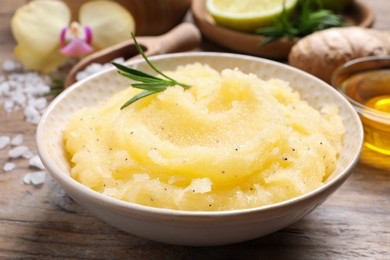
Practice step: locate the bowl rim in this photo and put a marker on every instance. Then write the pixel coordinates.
(358, 12)
(359, 107)
(65, 179)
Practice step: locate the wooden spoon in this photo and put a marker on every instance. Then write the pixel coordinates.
(183, 37)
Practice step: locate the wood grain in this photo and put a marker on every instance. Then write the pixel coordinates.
(44, 223)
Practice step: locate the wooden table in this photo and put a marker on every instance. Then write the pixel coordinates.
(43, 222)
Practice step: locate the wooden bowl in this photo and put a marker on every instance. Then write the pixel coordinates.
(358, 14)
(152, 17)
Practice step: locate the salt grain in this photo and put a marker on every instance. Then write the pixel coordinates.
(4, 141)
(37, 90)
(36, 162)
(96, 67)
(32, 115)
(39, 103)
(18, 151)
(9, 166)
(19, 98)
(25, 90)
(8, 106)
(35, 178)
(10, 65)
(4, 88)
(28, 155)
(17, 140)
(22, 89)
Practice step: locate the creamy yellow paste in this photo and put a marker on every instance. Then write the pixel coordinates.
(231, 141)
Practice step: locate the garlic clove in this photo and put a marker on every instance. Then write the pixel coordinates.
(109, 21)
(36, 27)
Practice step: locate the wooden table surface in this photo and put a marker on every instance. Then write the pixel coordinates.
(43, 222)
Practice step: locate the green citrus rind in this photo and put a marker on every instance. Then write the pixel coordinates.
(248, 22)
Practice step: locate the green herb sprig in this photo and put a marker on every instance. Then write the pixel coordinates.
(308, 20)
(151, 84)
(56, 87)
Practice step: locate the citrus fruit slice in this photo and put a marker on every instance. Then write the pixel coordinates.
(247, 15)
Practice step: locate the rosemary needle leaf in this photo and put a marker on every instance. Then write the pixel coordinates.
(155, 84)
(185, 86)
(139, 49)
(54, 91)
(137, 78)
(57, 81)
(151, 84)
(56, 87)
(139, 96)
(135, 72)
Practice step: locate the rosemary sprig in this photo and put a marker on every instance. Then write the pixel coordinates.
(56, 87)
(309, 19)
(151, 84)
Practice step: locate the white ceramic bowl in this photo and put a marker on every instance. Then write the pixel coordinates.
(185, 227)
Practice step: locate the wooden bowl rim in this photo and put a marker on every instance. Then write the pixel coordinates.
(358, 12)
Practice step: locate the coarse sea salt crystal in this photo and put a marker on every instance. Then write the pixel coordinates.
(37, 90)
(39, 103)
(19, 98)
(18, 151)
(35, 178)
(36, 162)
(22, 89)
(17, 140)
(8, 106)
(10, 65)
(4, 88)
(32, 115)
(90, 70)
(8, 166)
(4, 141)
(28, 155)
(96, 67)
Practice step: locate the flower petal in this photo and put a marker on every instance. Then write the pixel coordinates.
(38, 24)
(76, 48)
(36, 61)
(110, 22)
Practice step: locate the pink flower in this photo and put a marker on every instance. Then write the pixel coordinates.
(46, 37)
(75, 40)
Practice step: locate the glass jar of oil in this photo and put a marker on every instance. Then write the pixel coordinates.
(365, 83)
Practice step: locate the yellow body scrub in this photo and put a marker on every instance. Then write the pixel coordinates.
(230, 141)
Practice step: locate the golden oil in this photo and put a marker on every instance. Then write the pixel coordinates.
(369, 92)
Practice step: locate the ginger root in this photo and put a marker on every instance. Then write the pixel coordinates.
(322, 52)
